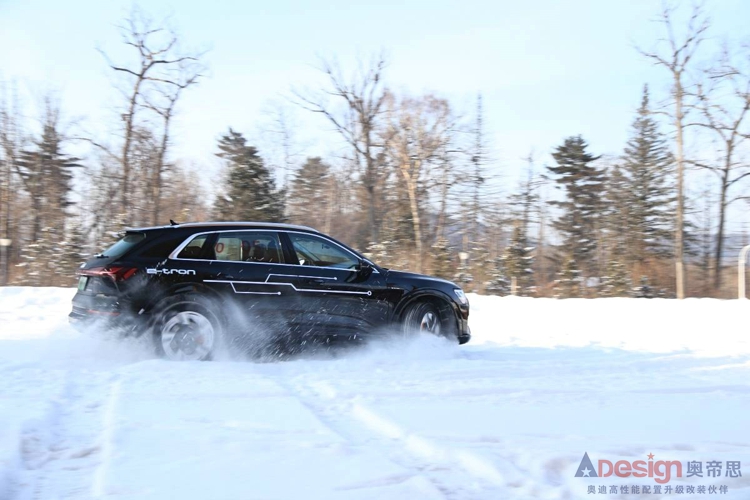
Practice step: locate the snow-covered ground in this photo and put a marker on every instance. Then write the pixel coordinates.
(508, 416)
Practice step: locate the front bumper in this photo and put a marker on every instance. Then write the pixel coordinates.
(464, 332)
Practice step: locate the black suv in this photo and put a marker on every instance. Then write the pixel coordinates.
(195, 286)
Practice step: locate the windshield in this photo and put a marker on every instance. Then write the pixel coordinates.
(123, 246)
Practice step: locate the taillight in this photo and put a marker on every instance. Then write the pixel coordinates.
(115, 273)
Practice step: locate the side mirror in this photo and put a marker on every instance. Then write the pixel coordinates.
(364, 268)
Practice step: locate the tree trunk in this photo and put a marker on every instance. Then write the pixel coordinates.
(374, 233)
(411, 188)
(720, 235)
(370, 186)
(679, 259)
(157, 176)
(440, 233)
(125, 192)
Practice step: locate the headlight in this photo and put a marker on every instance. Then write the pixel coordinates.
(461, 296)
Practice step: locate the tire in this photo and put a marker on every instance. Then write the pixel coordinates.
(187, 329)
(423, 317)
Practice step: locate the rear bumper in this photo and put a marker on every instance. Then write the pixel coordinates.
(99, 310)
(81, 319)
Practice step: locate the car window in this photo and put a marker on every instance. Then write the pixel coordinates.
(248, 246)
(162, 247)
(123, 246)
(314, 251)
(194, 249)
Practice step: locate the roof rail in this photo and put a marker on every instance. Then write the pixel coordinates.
(276, 225)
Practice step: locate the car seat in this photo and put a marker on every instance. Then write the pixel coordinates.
(272, 252)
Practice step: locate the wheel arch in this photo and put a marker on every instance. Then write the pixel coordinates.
(181, 289)
(442, 300)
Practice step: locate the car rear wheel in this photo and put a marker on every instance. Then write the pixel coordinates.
(423, 317)
(187, 330)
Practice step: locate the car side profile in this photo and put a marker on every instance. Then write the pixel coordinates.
(197, 286)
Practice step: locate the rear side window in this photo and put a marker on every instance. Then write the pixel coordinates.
(248, 246)
(194, 249)
(123, 246)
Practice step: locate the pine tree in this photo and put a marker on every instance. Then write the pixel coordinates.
(310, 195)
(518, 261)
(72, 253)
(617, 282)
(251, 193)
(618, 204)
(47, 176)
(581, 208)
(37, 264)
(568, 283)
(442, 259)
(463, 274)
(498, 284)
(647, 167)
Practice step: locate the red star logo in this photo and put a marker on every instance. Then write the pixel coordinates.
(650, 456)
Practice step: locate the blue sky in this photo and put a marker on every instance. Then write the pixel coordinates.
(547, 69)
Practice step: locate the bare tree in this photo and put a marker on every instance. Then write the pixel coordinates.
(445, 180)
(478, 160)
(676, 59)
(279, 132)
(418, 130)
(187, 74)
(724, 105)
(160, 64)
(356, 116)
(11, 144)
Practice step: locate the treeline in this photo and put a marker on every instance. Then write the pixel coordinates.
(416, 188)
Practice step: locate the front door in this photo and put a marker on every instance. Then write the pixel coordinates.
(339, 297)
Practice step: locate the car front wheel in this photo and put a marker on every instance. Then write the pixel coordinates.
(422, 317)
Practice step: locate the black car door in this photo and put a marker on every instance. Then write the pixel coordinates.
(244, 267)
(338, 295)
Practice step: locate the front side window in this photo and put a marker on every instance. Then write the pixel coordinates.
(313, 251)
(248, 246)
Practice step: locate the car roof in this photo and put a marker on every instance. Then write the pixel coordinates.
(235, 224)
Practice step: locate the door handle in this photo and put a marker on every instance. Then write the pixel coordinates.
(315, 281)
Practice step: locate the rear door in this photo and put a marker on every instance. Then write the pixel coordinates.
(246, 262)
(240, 266)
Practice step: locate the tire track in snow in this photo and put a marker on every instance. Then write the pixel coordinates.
(61, 450)
(437, 463)
(333, 422)
(106, 439)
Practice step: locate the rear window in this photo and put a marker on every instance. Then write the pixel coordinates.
(161, 248)
(123, 246)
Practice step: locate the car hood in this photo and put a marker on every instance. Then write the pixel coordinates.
(407, 277)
